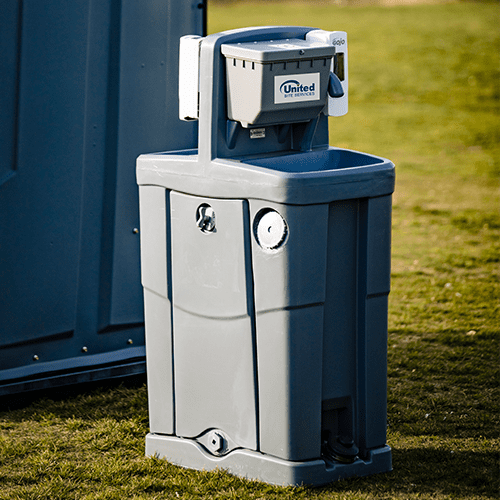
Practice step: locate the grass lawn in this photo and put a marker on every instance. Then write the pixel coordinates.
(424, 92)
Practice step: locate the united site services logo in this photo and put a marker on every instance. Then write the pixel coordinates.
(296, 88)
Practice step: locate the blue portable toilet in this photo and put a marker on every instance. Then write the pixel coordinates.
(86, 87)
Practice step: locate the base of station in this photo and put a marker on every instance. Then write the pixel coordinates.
(255, 465)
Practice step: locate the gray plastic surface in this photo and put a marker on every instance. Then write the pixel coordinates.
(257, 73)
(254, 465)
(288, 50)
(271, 317)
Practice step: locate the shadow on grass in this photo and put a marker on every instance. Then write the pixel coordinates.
(79, 400)
(465, 474)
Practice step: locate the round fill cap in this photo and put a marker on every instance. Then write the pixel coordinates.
(271, 230)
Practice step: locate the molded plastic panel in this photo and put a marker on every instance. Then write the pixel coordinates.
(155, 215)
(147, 120)
(339, 338)
(376, 372)
(156, 279)
(294, 274)
(289, 345)
(215, 377)
(159, 352)
(84, 90)
(379, 245)
(213, 334)
(9, 48)
(209, 271)
(41, 204)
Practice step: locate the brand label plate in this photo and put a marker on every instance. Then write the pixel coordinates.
(296, 88)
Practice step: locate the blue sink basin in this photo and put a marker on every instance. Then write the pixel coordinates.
(317, 161)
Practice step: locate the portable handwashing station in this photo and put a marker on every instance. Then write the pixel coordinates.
(266, 268)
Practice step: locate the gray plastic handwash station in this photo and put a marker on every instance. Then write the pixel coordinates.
(266, 268)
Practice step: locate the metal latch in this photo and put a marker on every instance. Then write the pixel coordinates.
(205, 218)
